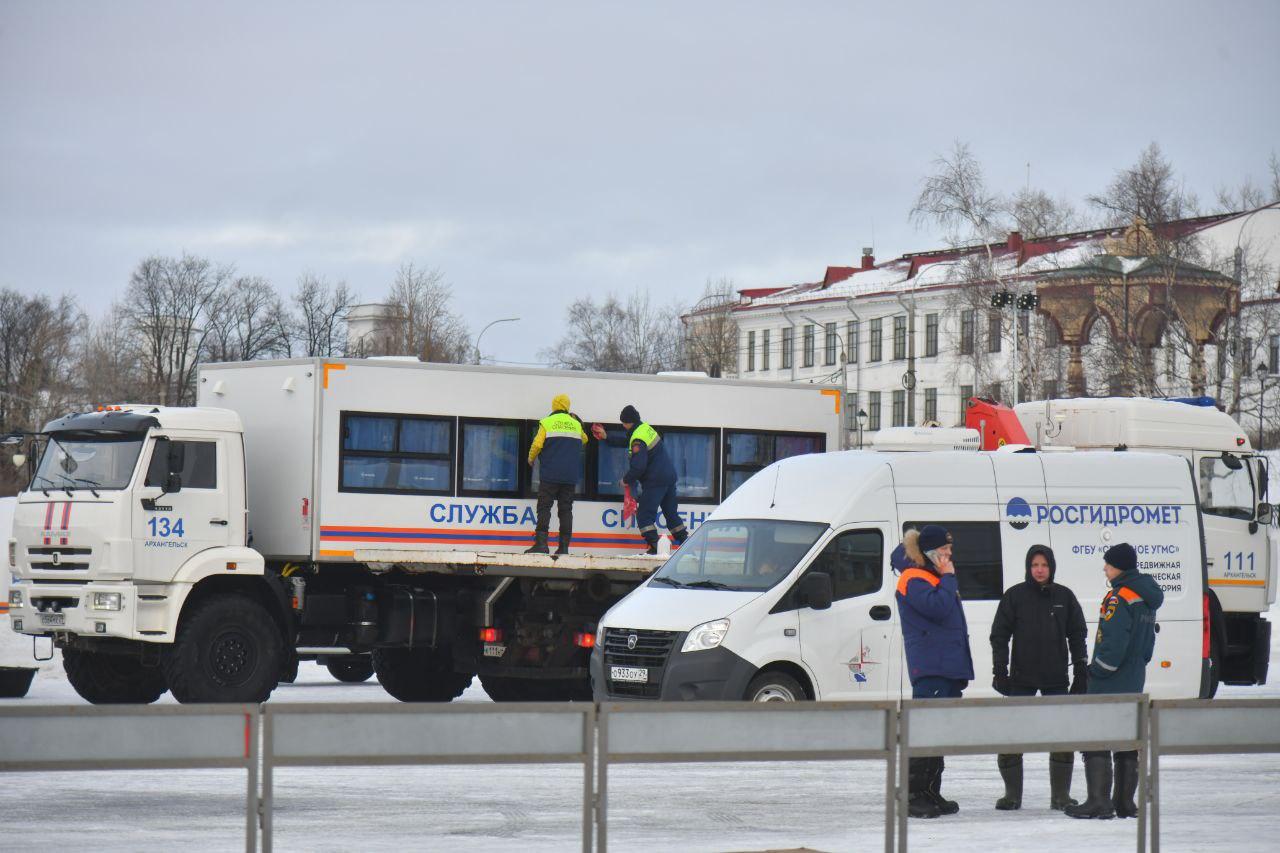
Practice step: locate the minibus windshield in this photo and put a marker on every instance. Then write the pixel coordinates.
(740, 554)
(87, 462)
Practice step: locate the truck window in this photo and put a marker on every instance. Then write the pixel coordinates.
(855, 561)
(977, 557)
(491, 458)
(693, 452)
(740, 554)
(746, 452)
(396, 453)
(199, 467)
(1226, 492)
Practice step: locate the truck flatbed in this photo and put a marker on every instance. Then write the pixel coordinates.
(631, 567)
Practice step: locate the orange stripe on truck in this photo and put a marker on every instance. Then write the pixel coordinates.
(1235, 582)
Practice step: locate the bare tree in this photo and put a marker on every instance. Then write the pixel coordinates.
(711, 332)
(1148, 190)
(1035, 213)
(618, 337)
(319, 328)
(422, 321)
(165, 307)
(112, 362)
(246, 321)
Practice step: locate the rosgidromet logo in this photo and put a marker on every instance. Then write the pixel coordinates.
(1018, 513)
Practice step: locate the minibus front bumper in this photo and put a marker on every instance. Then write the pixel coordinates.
(710, 674)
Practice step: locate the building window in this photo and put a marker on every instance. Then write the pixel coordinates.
(877, 339)
(747, 452)
(899, 408)
(930, 334)
(851, 341)
(788, 347)
(808, 346)
(966, 332)
(1273, 355)
(751, 351)
(995, 391)
(829, 344)
(873, 410)
(1024, 326)
(851, 410)
(382, 453)
(899, 338)
(930, 404)
(995, 328)
(966, 393)
(1050, 389)
(764, 350)
(1051, 340)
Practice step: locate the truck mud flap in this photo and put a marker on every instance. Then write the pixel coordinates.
(408, 617)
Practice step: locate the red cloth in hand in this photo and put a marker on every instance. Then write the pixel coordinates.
(629, 505)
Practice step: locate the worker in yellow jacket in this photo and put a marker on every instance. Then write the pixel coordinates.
(559, 444)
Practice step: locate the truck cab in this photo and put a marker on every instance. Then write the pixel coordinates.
(134, 522)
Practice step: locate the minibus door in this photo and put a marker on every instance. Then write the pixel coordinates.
(852, 646)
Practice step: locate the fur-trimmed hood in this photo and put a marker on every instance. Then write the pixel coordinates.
(911, 549)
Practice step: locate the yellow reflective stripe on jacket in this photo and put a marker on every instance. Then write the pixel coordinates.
(644, 434)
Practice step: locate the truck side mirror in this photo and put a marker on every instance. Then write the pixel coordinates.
(172, 484)
(816, 591)
(1233, 463)
(1265, 512)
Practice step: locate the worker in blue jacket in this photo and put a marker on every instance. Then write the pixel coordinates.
(649, 468)
(1122, 648)
(935, 637)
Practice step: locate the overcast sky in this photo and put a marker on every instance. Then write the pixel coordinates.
(537, 152)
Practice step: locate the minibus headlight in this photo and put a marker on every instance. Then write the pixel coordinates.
(15, 598)
(708, 635)
(106, 601)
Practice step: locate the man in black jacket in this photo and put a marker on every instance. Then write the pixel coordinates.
(1045, 621)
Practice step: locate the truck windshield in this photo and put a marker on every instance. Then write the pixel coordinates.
(81, 462)
(739, 554)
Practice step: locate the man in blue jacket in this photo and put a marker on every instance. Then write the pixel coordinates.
(1125, 641)
(559, 444)
(935, 637)
(649, 468)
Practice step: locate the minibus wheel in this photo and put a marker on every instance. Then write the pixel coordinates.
(775, 687)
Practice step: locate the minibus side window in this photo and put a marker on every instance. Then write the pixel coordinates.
(491, 458)
(977, 557)
(855, 561)
(693, 452)
(748, 451)
(392, 454)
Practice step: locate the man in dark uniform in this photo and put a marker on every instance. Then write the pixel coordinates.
(1045, 621)
(935, 637)
(1124, 644)
(650, 468)
(559, 444)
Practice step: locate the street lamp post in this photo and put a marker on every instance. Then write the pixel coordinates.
(862, 419)
(486, 328)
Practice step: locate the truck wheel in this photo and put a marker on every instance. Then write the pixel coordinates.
(505, 689)
(112, 679)
(228, 650)
(351, 670)
(775, 687)
(419, 675)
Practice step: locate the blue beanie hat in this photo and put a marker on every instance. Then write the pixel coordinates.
(933, 536)
(1122, 557)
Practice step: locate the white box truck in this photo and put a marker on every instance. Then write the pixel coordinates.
(338, 508)
(786, 591)
(1232, 484)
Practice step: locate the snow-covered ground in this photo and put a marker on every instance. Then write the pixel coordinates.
(1208, 803)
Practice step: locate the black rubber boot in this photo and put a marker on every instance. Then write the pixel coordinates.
(651, 540)
(563, 540)
(1126, 766)
(679, 534)
(539, 544)
(920, 803)
(1060, 765)
(1011, 772)
(934, 788)
(1097, 776)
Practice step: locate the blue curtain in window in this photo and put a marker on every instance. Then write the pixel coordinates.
(491, 457)
(364, 473)
(370, 434)
(612, 465)
(795, 445)
(693, 455)
(748, 449)
(417, 436)
(427, 475)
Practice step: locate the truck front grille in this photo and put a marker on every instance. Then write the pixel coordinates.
(59, 559)
(650, 650)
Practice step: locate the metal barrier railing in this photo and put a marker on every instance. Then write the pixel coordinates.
(124, 737)
(685, 732)
(333, 735)
(135, 737)
(1034, 724)
(1205, 727)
